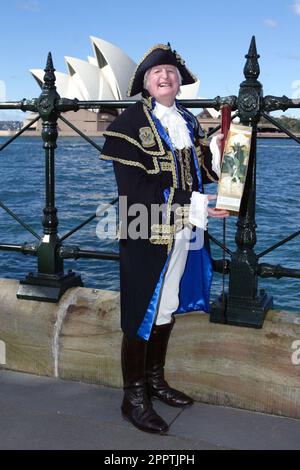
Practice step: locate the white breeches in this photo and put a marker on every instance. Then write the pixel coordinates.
(169, 300)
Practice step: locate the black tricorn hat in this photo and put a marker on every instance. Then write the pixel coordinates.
(158, 55)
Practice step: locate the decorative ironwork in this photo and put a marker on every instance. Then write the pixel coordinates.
(244, 305)
(269, 270)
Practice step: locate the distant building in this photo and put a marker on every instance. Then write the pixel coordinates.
(103, 77)
(210, 119)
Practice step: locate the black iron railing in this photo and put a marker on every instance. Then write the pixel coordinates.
(242, 305)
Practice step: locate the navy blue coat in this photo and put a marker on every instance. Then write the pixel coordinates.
(148, 172)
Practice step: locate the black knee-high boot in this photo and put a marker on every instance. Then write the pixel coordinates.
(136, 405)
(156, 357)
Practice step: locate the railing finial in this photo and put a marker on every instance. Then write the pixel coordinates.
(49, 78)
(252, 70)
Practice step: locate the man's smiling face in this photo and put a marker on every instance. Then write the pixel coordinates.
(162, 82)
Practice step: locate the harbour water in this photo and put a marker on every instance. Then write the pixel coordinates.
(83, 183)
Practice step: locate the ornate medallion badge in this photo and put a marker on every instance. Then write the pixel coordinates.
(147, 137)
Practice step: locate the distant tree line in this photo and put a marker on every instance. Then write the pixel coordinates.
(290, 123)
(10, 125)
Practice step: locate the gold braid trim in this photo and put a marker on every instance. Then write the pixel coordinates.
(169, 166)
(133, 163)
(168, 157)
(183, 221)
(153, 127)
(168, 218)
(164, 233)
(169, 205)
(163, 229)
(200, 156)
(208, 174)
(174, 175)
(166, 166)
(147, 101)
(198, 151)
(159, 241)
(183, 211)
(134, 142)
(179, 156)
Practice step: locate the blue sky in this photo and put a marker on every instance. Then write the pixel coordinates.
(212, 36)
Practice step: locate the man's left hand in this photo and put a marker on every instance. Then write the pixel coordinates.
(212, 211)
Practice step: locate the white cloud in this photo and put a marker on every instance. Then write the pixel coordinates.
(29, 5)
(271, 23)
(296, 7)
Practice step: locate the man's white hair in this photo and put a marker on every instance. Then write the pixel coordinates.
(145, 83)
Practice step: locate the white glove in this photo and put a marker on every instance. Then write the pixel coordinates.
(198, 210)
(216, 154)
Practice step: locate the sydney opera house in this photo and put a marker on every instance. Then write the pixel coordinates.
(105, 76)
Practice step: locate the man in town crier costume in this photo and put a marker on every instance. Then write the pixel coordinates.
(160, 159)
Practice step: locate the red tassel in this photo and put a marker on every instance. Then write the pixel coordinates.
(226, 121)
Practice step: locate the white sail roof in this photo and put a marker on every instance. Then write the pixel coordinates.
(116, 64)
(103, 77)
(89, 79)
(64, 83)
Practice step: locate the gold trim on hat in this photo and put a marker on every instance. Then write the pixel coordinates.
(157, 46)
(165, 48)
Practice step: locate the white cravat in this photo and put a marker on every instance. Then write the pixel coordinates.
(172, 120)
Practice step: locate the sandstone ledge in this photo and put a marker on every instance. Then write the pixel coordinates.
(79, 338)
